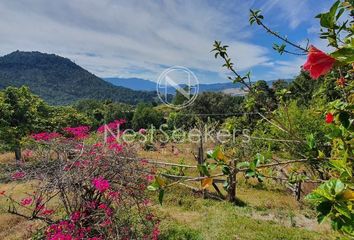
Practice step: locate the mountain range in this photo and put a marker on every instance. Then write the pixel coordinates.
(147, 85)
(60, 81)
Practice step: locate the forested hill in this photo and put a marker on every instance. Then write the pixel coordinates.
(60, 81)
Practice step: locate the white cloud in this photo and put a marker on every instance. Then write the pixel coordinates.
(294, 12)
(140, 38)
(126, 38)
(285, 69)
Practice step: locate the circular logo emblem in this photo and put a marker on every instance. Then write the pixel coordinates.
(177, 87)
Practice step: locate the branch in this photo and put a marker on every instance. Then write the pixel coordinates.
(169, 164)
(259, 22)
(277, 163)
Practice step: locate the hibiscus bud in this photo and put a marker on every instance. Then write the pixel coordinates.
(329, 118)
(341, 82)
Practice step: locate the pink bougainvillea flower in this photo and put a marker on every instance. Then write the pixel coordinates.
(329, 118)
(91, 204)
(45, 136)
(149, 217)
(100, 184)
(18, 175)
(155, 232)
(142, 131)
(112, 126)
(150, 178)
(26, 201)
(47, 212)
(97, 145)
(144, 162)
(79, 132)
(318, 63)
(27, 154)
(75, 216)
(108, 211)
(106, 222)
(146, 202)
(114, 195)
(102, 206)
(116, 147)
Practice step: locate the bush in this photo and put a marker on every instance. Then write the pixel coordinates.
(145, 116)
(97, 189)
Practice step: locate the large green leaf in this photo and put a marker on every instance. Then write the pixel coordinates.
(344, 54)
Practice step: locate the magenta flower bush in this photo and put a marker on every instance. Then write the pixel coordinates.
(85, 188)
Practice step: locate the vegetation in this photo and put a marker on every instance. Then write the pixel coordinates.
(291, 138)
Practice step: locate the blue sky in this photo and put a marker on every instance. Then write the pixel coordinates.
(140, 38)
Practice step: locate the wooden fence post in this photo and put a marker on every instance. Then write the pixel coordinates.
(201, 159)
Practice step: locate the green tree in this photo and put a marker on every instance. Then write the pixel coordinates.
(264, 96)
(181, 119)
(179, 98)
(279, 85)
(21, 114)
(145, 116)
(215, 105)
(303, 88)
(65, 116)
(104, 111)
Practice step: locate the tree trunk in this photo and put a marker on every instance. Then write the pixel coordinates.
(298, 191)
(18, 153)
(232, 183)
(201, 160)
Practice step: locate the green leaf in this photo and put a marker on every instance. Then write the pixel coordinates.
(314, 197)
(213, 166)
(249, 173)
(311, 141)
(243, 165)
(226, 170)
(343, 209)
(259, 159)
(327, 20)
(226, 185)
(324, 208)
(332, 187)
(344, 119)
(161, 194)
(153, 187)
(203, 169)
(260, 177)
(344, 54)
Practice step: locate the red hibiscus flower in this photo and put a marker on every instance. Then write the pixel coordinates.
(318, 63)
(329, 118)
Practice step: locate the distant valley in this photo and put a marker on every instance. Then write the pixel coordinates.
(147, 85)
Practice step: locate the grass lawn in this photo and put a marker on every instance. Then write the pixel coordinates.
(186, 216)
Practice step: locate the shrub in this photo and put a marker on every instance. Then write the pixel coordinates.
(97, 189)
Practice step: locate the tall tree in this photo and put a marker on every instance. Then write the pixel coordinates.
(145, 116)
(21, 113)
